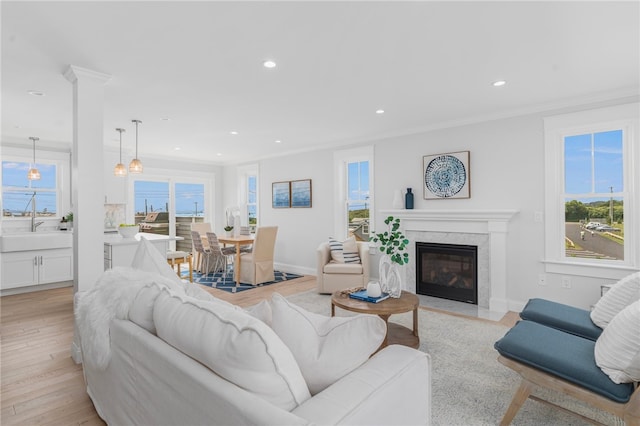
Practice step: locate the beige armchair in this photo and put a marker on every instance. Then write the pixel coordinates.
(339, 276)
(257, 267)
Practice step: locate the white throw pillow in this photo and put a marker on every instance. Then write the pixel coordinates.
(148, 258)
(617, 349)
(326, 348)
(344, 251)
(261, 311)
(232, 343)
(622, 294)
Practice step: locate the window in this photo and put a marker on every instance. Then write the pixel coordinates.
(358, 199)
(354, 190)
(159, 204)
(18, 192)
(248, 197)
(591, 191)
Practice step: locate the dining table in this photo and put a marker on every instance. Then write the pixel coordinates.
(238, 241)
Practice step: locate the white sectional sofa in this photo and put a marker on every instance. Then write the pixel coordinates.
(171, 354)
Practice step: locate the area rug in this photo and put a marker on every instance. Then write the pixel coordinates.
(225, 282)
(469, 386)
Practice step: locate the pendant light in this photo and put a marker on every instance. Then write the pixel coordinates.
(136, 165)
(120, 170)
(34, 173)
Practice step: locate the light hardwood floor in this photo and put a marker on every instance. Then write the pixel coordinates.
(40, 383)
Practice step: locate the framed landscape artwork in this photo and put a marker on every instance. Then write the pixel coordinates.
(446, 175)
(281, 195)
(301, 193)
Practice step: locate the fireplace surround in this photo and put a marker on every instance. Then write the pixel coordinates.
(486, 229)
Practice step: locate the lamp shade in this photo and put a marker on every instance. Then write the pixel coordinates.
(120, 170)
(34, 173)
(135, 166)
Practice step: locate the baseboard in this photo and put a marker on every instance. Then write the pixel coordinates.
(32, 288)
(294, 269)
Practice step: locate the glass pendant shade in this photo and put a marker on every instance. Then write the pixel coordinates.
(136, 165)
(120, 170)
(34, 173)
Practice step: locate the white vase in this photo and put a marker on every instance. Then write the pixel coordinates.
(373, 289)
(398, 202)
(390, 278)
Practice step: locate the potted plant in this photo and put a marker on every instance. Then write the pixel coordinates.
(228, 229)
(393, 244)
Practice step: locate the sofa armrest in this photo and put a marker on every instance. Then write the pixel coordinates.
(363, 252)
(397, 376)
(323, 257)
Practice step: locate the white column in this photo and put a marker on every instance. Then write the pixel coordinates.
(87, 181)
(498, 266)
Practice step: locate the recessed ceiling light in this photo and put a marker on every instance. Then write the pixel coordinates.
(499, 83)
(165, 119)
(233, 132)
(278, 141)
(35, 93)
(269, 64)
(219, 154)
(379, 111)
(177, 148)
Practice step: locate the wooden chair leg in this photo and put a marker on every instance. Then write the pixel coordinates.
(519, 398)
(190, 268)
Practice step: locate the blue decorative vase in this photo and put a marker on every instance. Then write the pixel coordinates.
(408, 199)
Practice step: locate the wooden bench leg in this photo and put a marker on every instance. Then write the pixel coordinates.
(519, 398)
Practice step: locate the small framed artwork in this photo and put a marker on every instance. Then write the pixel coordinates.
(446, 175)
(281, 195)
(301, 193)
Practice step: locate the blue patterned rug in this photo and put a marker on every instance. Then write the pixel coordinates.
(226, 283)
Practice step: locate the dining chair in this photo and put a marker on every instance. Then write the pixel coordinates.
(223, 255)
(257, 267)
(202, 228)
(207, 257)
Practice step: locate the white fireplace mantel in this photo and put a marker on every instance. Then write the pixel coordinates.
(495, 223)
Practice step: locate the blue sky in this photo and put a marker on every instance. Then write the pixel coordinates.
(156, 195)
(593, 163)
(358, 175)
(15, 174)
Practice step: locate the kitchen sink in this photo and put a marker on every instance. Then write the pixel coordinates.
(35, 241)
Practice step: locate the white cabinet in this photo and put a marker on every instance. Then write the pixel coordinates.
(33, 267)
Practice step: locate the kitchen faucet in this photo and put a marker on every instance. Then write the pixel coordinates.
(34, 224)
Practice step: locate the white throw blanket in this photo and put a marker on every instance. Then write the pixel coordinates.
(111, 298)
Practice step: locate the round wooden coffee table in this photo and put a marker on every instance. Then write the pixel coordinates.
(396, 333)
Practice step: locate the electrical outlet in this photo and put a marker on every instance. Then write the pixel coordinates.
(538, 217)
(542, 279)
(565, 282)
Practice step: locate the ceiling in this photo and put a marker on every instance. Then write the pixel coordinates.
(193, 71)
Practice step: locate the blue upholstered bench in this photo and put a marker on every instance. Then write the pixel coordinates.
(561, 317)
(565, 362)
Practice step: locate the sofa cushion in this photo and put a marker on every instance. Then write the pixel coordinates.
(232, 343)
(148, 258)
(342, 268)
(344, 251)
(622, 294)
(326, 348)
(561, 354)
(617, 350)
(562, 317)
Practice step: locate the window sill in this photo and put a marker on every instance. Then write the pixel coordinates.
(585, 269)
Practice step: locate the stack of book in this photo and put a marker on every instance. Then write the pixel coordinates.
(362, 295)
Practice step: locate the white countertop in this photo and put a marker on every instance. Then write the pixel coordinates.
(117, 240)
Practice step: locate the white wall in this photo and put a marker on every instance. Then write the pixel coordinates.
(507, 172)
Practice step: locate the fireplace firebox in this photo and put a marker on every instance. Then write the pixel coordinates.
(448, 271)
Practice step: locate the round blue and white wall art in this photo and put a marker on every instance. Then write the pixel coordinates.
(445, 176)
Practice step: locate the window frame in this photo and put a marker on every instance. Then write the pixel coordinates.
(243, 174)
(62, 161)
(342, 159)
(558, 127)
